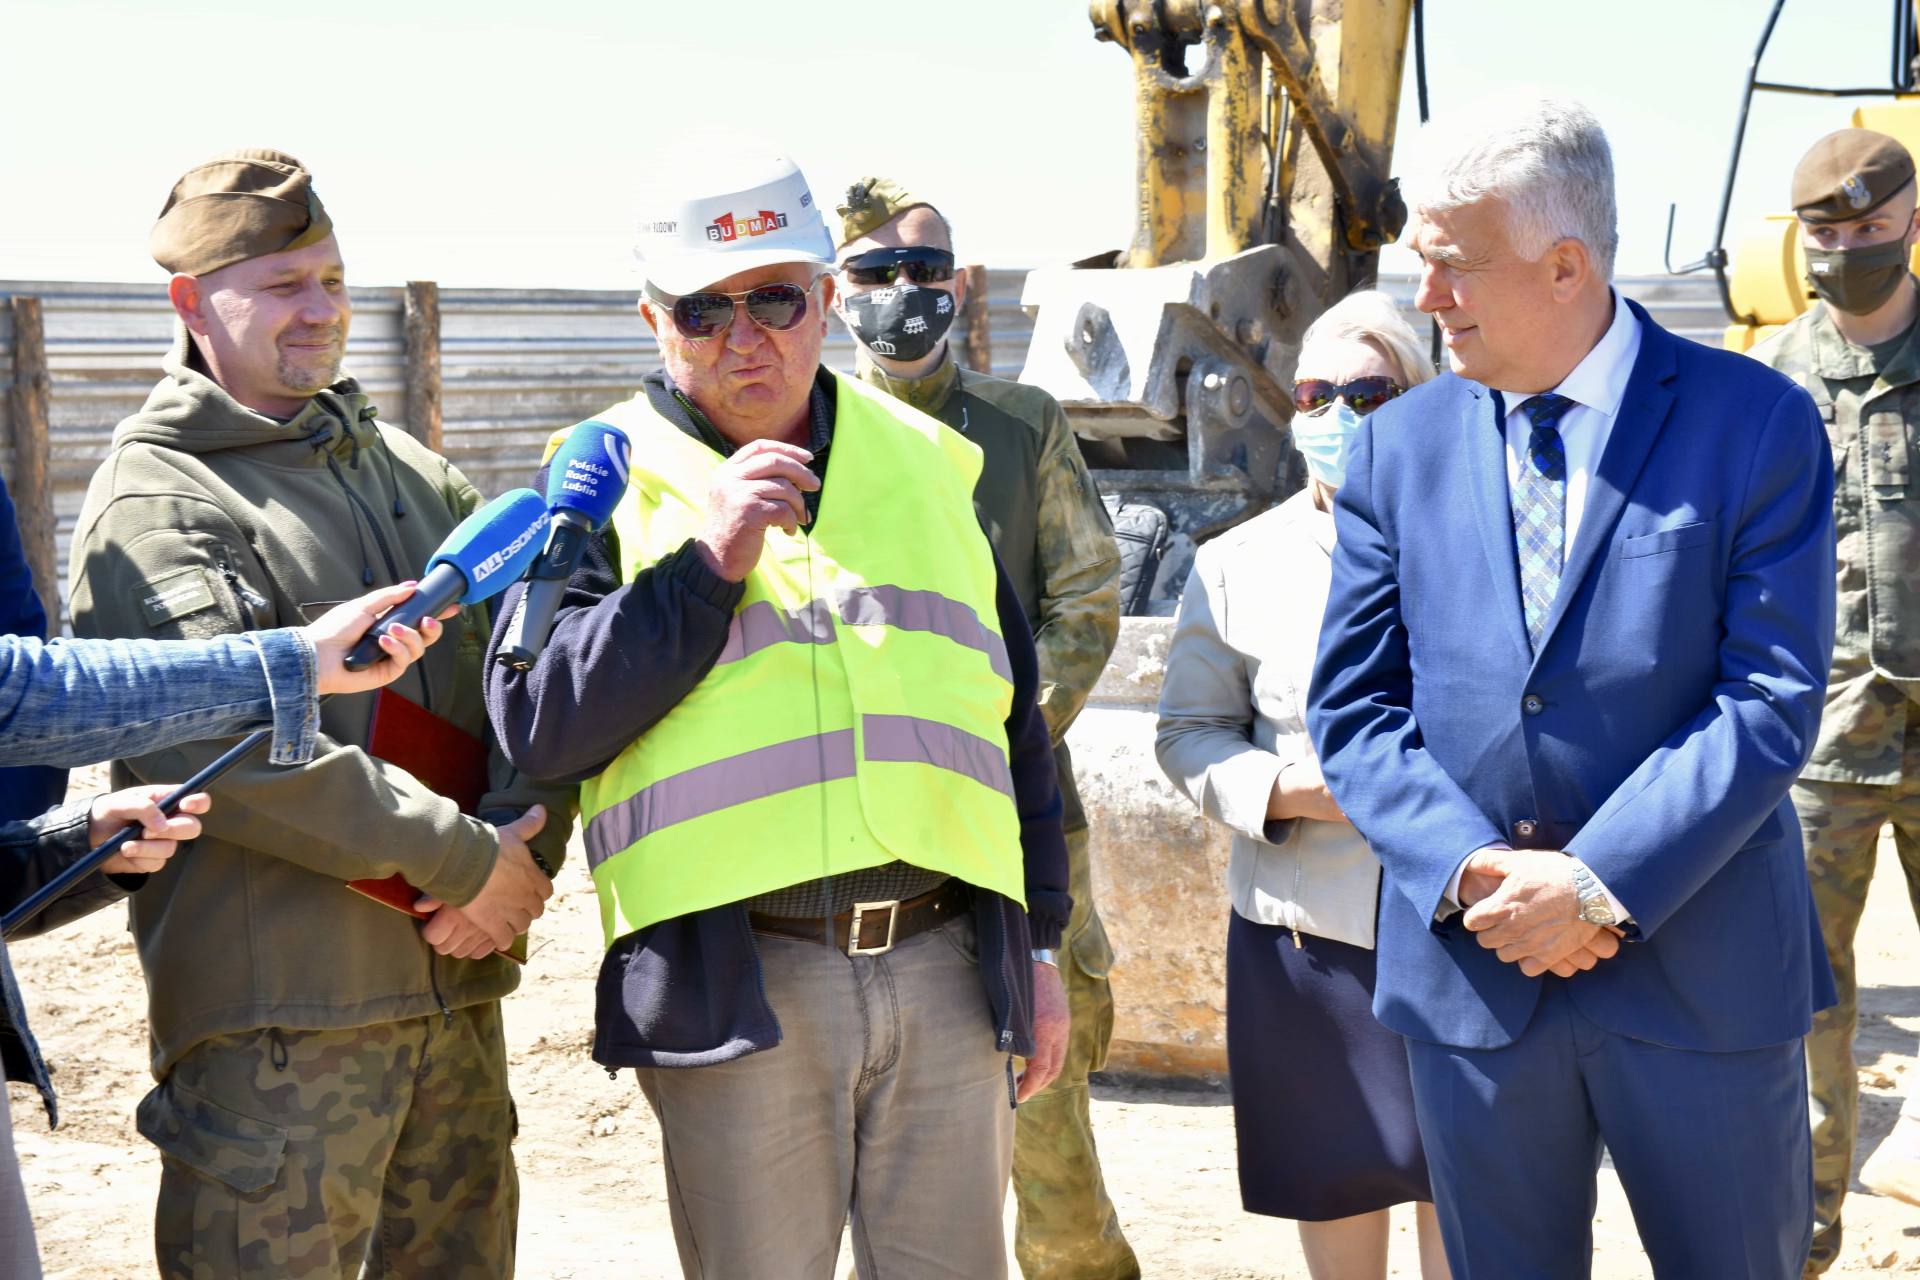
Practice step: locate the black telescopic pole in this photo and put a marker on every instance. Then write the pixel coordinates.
(169, 804)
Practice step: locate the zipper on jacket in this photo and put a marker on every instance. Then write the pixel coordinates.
(1293, 907)
(1006, 990)
(433, 980)
(245, 598)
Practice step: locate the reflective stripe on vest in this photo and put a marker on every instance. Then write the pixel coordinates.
(761, 624)
(856, 713)
(784, 766)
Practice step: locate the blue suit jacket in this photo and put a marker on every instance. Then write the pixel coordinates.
(1673, 701)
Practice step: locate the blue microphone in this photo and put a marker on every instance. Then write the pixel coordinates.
(478, 560)
(585, 480)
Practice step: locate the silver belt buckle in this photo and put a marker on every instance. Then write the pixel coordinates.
(853, 927)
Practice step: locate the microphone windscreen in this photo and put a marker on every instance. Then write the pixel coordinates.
(588, 472)
(493, 547)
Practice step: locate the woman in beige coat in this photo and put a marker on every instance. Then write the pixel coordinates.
(1323, 1111)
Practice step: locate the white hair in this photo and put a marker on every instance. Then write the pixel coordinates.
(1370, 316)
(1552, 166)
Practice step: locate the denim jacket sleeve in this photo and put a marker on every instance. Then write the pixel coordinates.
(72, 702)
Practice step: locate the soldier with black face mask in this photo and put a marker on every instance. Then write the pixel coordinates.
(1857, 354)
(899, 294)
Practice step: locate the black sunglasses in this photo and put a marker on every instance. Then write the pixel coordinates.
(1363, 395)
(774, 307)
(922, 264)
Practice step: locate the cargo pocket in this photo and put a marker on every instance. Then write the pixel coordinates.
(220, 1211)
(1092, 955)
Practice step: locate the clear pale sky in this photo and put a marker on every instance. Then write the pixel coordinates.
(502, 143)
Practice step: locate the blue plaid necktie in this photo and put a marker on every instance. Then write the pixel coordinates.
(1540, 511)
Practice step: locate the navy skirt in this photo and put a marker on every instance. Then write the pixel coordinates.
(1322, 1104)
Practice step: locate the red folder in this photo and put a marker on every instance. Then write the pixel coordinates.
(448, 759)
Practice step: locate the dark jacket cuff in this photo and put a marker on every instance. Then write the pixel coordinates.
(689, 568)
(36, 850)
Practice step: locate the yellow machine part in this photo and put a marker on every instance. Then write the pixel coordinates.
(1767, 274)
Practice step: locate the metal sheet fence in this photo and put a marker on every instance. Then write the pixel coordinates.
(515, 364)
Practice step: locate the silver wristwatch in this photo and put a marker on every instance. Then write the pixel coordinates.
(1045, 955)
(1594, 907)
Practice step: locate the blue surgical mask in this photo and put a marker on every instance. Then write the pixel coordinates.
(1324, 439)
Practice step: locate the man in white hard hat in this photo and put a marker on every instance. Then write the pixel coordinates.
(818, 796)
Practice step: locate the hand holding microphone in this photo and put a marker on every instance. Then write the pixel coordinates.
(585, 481)
(488, 550)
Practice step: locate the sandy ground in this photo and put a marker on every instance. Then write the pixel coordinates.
(594, 1207)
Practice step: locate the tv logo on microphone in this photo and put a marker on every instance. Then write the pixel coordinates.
(498, 560)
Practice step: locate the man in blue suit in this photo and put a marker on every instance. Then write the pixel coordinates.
(1574, 657)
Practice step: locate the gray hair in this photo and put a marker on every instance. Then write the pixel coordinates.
(1552, 166)
(1370, 316)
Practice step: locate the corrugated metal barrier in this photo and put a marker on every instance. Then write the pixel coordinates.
(515, 364)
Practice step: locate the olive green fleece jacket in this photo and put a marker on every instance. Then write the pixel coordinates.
(209, 518)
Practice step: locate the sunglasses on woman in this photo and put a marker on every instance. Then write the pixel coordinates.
(921, 265)
(1363, 395)
(774, 307)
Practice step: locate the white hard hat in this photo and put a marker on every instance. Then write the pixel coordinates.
(748, 210)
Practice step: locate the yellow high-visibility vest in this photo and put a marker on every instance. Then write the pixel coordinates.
(857, 714)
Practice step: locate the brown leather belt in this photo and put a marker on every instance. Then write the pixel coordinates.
(874, 928)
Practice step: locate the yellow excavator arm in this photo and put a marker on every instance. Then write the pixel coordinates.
(1264, 143)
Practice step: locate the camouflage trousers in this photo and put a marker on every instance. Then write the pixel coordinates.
(1840, 823)
(1066, 1228)
(306, 1155)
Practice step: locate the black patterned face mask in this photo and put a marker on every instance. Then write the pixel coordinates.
(1858, 281)
(901, 322)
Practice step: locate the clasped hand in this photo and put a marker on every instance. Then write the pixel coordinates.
(513, 897)
(1522, 905)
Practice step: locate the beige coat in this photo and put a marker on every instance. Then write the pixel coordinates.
(1233, 714)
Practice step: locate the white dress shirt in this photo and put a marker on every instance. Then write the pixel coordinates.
(1596, 386)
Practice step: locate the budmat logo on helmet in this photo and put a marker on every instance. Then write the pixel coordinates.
(726, 227)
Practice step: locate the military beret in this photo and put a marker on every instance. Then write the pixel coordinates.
(870, 204)
(1849, 174)
(237, 206)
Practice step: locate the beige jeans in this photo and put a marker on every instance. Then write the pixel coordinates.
(885, 1099)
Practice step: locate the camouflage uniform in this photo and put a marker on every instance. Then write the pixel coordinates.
(282, 1150)
(1865, 768)
(1054, 539)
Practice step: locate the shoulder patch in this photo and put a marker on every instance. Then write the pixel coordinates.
(176, 595)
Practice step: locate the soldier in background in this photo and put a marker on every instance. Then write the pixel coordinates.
(1856, 353)
(899, 294)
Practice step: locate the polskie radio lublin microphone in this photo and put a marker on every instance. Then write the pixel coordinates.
(487, 552)
(585, 480)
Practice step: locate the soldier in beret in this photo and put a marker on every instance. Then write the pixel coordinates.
(899, 294)
(332, 1088)
(1856, 353)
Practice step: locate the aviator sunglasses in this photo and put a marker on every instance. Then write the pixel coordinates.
(774, 307)
(922, 265)
(1363, 395)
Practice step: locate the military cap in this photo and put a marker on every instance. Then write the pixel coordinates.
(1849, 174)
(871, 203)
(236, 206)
